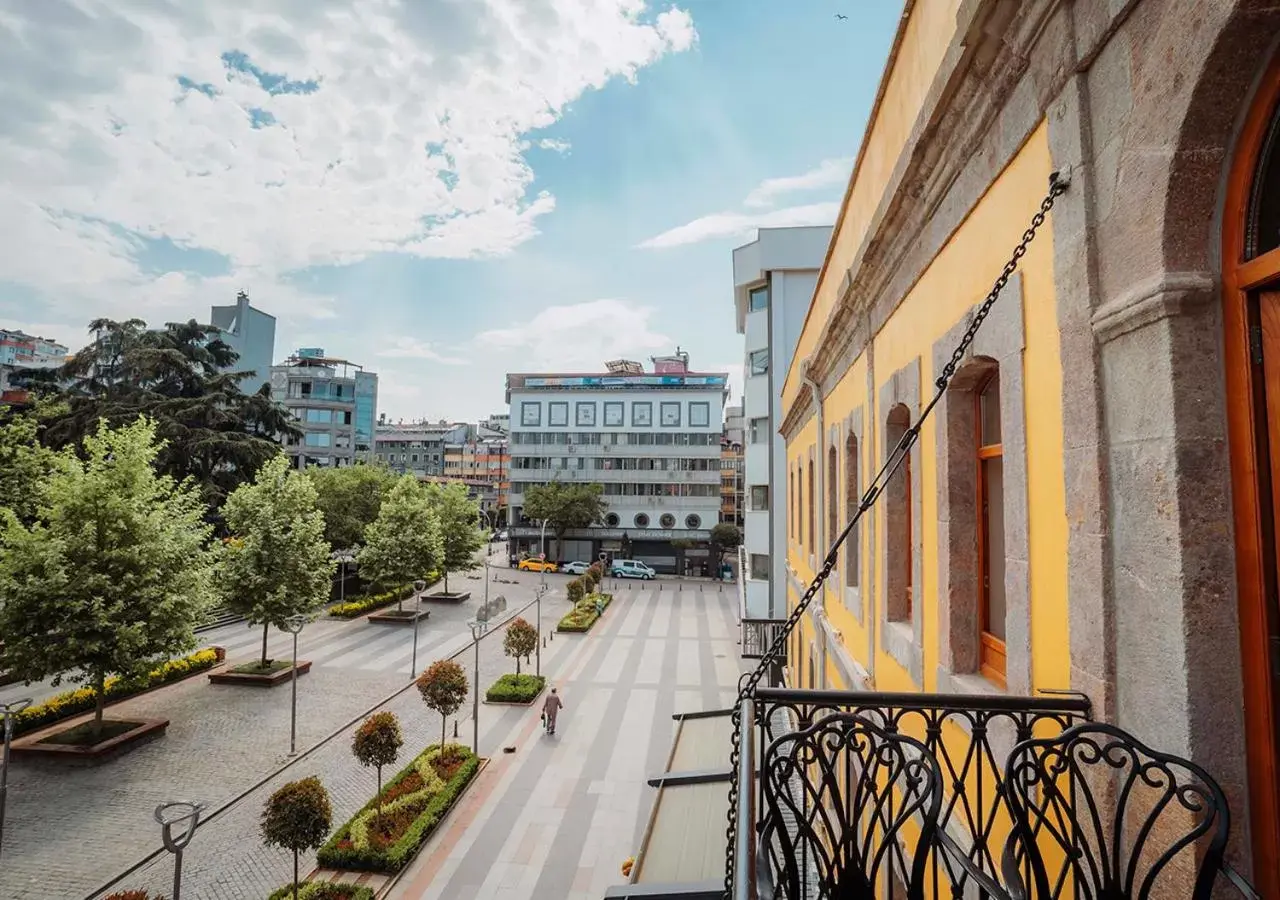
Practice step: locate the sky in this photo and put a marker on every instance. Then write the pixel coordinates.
(443, 191)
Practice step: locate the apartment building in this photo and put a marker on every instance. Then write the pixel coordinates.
(18, 351)
(251, 333)
(482, 462)
(774, 277)
(418, 448)
(650, 439)
(732, 467)
(335, 403)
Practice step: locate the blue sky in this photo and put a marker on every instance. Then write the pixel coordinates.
(459, 190)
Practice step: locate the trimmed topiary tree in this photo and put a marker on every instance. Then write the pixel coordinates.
(377, 743)
(576, 591)
(297, 818)
(443, 687)
(520, 640)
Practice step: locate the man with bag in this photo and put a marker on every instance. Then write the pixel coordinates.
(550, 707)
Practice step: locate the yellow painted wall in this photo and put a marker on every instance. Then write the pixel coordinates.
(924, 42)
(958, 278)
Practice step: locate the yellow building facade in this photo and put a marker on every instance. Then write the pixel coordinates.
(1088, 507)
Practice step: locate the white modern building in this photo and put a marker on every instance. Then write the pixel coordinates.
(650, 439)
(774, 277)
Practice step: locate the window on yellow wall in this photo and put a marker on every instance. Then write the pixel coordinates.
(852, 498)
(809, 511)
(833, 503)
(898, 514)
(991, 551)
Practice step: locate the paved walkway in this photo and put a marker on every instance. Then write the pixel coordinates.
(556, 819)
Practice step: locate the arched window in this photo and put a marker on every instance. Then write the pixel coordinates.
(852, 498)
(897, 500)
(991, 550)
(833, 503)
(809, 510)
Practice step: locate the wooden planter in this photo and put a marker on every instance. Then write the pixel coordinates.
(35, 745)
(399, 617)
(226, 676)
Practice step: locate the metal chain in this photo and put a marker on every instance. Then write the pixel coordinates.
(1058, 183)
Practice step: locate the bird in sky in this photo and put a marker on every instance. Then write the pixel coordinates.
(841, 16)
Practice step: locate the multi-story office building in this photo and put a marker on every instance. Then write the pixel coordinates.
(651, 440)
(731, 467)
(773, 279)
(335, 403)
(417, 448)
(483, 464)
(252, 334)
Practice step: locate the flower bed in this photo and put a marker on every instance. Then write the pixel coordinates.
(325, 890)
(73, 703)
(515, 689)
(413, 803)
(358, 606)
(584, 615)
(257, 668)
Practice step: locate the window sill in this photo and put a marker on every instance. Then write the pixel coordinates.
(853, 602)
(898, 640)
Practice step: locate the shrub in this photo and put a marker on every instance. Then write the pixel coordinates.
(443, 688)
(72, 703)
(324, 890)
(349, 847)
(297, 818)
(584, 615)
(377, 743)
(515, 689)
(520, 640)
(576, 591)
(358, 606)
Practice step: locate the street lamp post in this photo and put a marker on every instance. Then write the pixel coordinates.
(542, 589)
(418, 587)
(477, 629)
(8, 711)
(343, 559)
(178, 812)
(543, 541)
(293, 625)
(486, 581)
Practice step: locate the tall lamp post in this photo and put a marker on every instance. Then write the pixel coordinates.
(343, 558)
(543, 541)
(8, 711)
(293, 625)
(486, 581)
(178, 812)
(477, 629)
(542, 589)
(418, 587)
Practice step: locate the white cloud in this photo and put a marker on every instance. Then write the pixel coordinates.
(733, 224)
(409, 348)
(561, 147)
(126, 124)
(828, 173)
(821, 178)
(577, 337)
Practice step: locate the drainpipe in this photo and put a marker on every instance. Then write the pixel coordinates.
(819, 488)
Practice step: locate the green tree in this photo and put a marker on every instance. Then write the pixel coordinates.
(460, 534)
(276, 563)
(350, 498)
(725, 536)
(377, 743)
(297, 818)
(565, 506)
(180, 377)
(403, 544)
(443, 687)
(113, 572)
(24, 465)
(520, 640)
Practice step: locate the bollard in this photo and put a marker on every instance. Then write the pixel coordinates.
(455, 729)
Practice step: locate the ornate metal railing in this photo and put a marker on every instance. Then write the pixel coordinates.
(758, 636)
(969, 736)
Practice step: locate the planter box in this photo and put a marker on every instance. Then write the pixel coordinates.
(522, 703)
(405, 617)
(451, 597)
(34, 746)
(226, 676)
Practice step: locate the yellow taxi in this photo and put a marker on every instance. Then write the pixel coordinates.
(536, 565)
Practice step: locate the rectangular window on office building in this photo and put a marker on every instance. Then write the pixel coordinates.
(558, 415)
(613, 415)
(759, 497)
(760, 566)
(642, 414)
(584, 415)
(320, 416)
(758, 299)
(760, 430)
(670, 413)
(699, 415)
(758, 362)
(530, 413)
(317, 439)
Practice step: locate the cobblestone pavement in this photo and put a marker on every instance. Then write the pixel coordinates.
(223, 739)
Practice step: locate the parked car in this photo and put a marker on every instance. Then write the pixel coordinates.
(536, 565)
(631, 568)
(574, 568)
(502, 536)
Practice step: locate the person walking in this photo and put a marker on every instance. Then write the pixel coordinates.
(550, 707)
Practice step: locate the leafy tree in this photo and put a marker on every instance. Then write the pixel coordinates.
(460, 534)
(725, 536)
(177, 375)
(377, 743)
(403, 544)
(520, 640)
(565, 506)
(350, 498)
(113, 572)
(276, 563)
(297, 818)
(24, 464)
(443, 687)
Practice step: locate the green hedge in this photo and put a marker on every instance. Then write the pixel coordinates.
(369, 602)
(515, 689)
(72, 703)
(399, 854)
(324, 890)
(583, 615)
